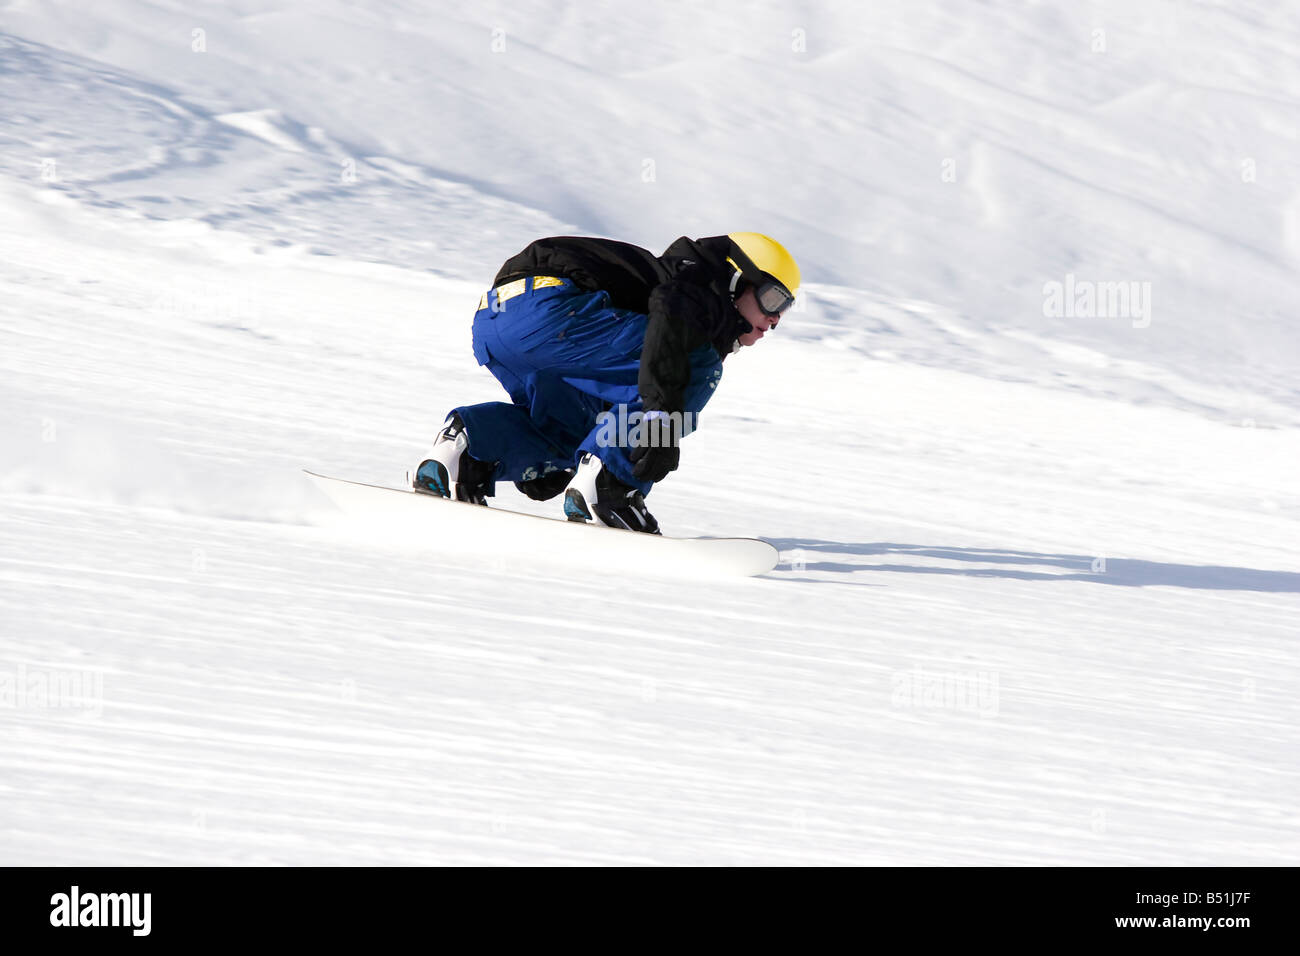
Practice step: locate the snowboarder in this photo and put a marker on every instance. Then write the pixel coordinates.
(608, 352)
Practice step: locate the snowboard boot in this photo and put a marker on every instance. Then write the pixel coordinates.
(450, 472)
(594, 493)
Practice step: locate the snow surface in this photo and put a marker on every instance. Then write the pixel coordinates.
(1038, 602)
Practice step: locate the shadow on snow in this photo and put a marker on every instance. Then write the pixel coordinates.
(1126, 572)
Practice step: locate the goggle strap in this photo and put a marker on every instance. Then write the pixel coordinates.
(735, 276)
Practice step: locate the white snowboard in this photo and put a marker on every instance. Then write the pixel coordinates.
(455, 527)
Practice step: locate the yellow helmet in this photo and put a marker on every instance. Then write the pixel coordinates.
(754, 253)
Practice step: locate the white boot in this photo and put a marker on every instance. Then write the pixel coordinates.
(450, 471)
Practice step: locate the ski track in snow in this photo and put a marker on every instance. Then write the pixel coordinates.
(1039, 584)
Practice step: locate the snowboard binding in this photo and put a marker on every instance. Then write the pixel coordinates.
(595, 494)
(450, 471)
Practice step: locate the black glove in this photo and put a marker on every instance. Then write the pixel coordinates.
(656, 453)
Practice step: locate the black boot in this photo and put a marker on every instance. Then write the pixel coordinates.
(595, 493)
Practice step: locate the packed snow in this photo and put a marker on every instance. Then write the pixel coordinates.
(1029, 444)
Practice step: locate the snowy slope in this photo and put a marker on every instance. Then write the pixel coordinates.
(1039, 587)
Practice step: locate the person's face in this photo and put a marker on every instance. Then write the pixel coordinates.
(747, 306)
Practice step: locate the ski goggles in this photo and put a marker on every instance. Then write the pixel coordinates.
(772, 297)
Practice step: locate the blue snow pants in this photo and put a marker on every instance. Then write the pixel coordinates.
(564, 356)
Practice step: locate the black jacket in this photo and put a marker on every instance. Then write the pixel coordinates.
(684, 292)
